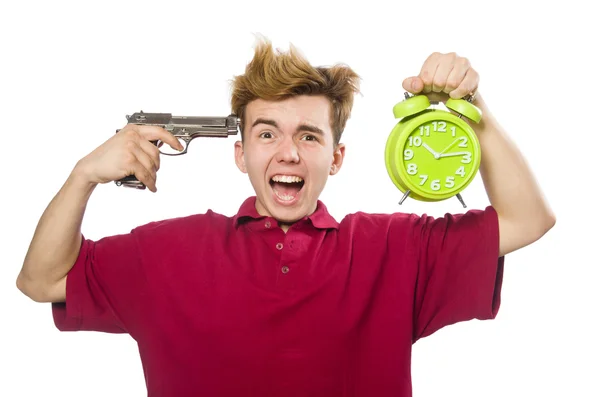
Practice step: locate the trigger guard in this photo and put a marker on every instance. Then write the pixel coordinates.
(185, 144)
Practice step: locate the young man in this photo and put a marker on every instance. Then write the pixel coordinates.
(281, 299)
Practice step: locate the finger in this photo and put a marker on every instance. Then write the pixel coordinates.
(142, 166)
(144, 169)
(152, 132)
(444, 68)
(468, 85)
(457, 75)
(144, 158)
(132, 146)
(133, 166)
(144, 175)
(152, 151)
(428, 71)
(413, 85)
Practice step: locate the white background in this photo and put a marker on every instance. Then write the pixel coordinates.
(71, 71)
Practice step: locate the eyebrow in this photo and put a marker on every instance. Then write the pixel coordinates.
(301, 127)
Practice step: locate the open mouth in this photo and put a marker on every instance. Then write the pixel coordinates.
(286, 187)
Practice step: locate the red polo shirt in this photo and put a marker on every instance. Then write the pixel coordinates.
(233, 306)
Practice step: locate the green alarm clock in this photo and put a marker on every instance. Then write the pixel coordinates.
(432, 153)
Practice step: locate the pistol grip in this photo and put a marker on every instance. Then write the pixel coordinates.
(130, 181)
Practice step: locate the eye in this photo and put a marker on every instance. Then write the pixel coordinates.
(266, 134)
(309, 137)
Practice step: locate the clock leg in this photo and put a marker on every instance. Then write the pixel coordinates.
(459, 197)
(404, 197)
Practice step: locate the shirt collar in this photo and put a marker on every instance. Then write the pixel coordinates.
(320, 218)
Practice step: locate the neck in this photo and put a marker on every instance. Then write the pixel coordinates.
(285, 226)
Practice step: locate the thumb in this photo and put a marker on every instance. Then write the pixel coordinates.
(413, 85)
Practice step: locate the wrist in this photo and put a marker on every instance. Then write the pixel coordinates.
(80, 179)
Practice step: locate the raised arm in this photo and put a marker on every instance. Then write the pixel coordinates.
(524, 215)
(57, 238)
(56, 241)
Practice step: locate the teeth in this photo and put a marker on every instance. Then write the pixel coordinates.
(284, 197)
(287, 178)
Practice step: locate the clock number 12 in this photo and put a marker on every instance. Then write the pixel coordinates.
(439, 126)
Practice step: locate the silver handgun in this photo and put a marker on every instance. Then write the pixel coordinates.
(184, 129)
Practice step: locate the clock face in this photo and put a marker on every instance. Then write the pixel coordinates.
(439, 157)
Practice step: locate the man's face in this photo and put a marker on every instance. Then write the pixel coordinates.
(288, 154)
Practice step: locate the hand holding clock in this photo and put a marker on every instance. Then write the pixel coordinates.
(422, 130)
(444, 74)
(523, 213)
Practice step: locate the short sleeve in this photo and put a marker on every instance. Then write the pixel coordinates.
(103, 288)
(459, 274)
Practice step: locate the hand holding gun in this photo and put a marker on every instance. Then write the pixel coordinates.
(184, 129)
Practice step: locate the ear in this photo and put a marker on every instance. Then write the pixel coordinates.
(338, 159)
(239, 156)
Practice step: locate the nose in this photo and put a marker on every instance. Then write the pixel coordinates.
(287, 151)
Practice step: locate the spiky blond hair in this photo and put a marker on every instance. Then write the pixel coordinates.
(277, 76)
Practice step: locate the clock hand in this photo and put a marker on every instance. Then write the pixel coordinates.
(449, 146)
(454, 154)
(435, 154)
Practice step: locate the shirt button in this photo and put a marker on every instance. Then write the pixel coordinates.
(279, 246)
(267, 224)
(285, 269)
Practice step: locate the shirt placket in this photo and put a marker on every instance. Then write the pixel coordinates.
(287, 255)
(285, 268)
